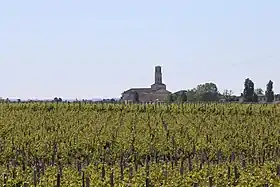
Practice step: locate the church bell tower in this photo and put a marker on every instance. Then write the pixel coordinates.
(158, 79)
(158, 75)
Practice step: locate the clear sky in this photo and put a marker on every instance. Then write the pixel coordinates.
(93, 48)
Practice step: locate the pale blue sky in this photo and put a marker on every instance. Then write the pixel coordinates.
(91, 49)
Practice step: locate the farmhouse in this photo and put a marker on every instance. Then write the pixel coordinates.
(262, 98)
(156, 93)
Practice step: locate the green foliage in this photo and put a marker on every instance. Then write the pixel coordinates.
(191, 95)
(130, 145)
(203, 92)
(180, 96)
(57, 99)
(171, 98)
(248, 93)
(227, 94)
(183, 97)
(255, 98)
(207, 92)
(269, 92)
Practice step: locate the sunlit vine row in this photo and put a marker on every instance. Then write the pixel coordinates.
(70, 144)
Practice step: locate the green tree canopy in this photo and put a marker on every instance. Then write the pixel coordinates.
(248, 92)
(171, 98)
(182, 97)
(207, 92)
(269, 92)
(227, 95)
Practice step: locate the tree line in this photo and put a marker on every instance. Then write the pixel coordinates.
(208, 92)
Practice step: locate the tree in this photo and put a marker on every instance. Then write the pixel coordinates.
(182, 97)
(185, 95)
(207, 92)
(170, 98)
(191, 95)
(56, 99)
(269, 92)
(255, 97)
(248, 92)
(227, 95)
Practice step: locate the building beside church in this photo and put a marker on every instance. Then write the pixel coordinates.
(156, 93)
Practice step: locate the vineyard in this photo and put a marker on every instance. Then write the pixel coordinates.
(80, 144)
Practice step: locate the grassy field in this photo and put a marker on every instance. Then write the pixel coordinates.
(49, 144)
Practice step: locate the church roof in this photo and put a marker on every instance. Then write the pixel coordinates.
(139, 90)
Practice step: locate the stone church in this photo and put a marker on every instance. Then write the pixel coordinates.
(156, 93)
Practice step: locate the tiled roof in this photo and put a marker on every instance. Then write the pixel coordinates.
(139, 90)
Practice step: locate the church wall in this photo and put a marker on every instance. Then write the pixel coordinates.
(160, 97)
(126, 96)
(145, 97)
